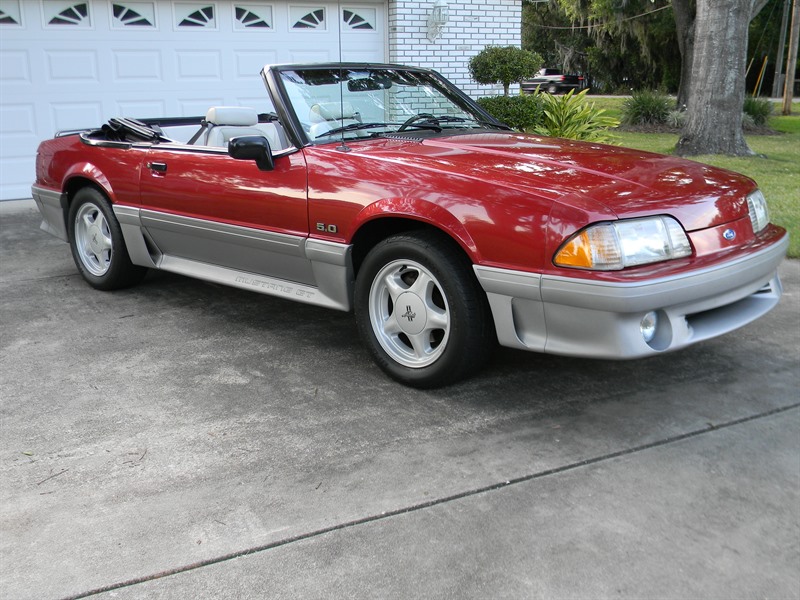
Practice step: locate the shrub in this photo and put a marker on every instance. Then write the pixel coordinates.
(503, 64)
(570, 116)
(520, 112)
(758, 108)
(748, 122)
(646, 107)
(676, 119)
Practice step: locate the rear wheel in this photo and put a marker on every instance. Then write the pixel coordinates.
(552, 89)
(97, 245)
(421, 312)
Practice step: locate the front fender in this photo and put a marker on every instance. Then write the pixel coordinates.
(424, 212)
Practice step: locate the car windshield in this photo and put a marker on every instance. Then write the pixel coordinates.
(331, 103)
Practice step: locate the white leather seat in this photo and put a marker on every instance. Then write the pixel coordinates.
(227, 122)
(330, 115)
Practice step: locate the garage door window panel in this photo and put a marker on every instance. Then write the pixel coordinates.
(130, 15)
(195, 15)
(10, 14)
(59, 14)
(308, 18)
(359, 19)
(252, 17)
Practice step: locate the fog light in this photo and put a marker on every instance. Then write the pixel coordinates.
(648, 326)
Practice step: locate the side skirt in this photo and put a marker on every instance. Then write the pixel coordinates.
(331, 265)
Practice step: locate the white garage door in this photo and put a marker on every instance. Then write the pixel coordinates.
(72, 64)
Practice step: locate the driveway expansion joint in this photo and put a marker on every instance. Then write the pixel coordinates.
(711, 427)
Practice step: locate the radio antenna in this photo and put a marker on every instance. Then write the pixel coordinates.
(343, 146)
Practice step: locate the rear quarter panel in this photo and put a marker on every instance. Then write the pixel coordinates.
(115, 169)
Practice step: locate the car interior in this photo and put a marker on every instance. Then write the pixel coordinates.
(216, 129)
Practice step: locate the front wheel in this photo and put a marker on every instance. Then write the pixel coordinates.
(96, 241)
(421, 311)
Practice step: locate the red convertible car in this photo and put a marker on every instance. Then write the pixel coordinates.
(385, 190)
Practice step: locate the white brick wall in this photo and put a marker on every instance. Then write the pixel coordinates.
(472, 25)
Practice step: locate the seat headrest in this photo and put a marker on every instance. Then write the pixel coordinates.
(238, 116)
(332, 111)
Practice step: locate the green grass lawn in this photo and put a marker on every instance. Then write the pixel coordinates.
(611, 104)
(776, 169)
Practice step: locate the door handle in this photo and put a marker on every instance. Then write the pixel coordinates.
(157, 166)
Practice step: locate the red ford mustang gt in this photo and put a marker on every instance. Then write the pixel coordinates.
(386, 190)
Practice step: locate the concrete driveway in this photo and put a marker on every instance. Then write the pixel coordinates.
(185, 440)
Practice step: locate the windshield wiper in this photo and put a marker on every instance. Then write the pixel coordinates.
(495, 125)
(434, 122)
(423, 121)
(353, 127)
(426, 125)
(450, 119)
(454, 119)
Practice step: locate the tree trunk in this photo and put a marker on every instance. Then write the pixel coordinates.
(791, 63)
(777, 82)
(684, 11)
(684, 26)
(714, 119)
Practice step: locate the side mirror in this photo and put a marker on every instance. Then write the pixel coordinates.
(252, 147)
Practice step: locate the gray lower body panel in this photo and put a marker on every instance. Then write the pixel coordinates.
(52, 205)
(293, 267)
(581, 317)
(241, 248)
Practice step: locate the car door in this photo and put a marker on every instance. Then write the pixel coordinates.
(202, 205)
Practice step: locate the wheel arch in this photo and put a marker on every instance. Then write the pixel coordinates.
(75, 184)
(372, 232)
(378, 222)
(82, 174)
(72, 185)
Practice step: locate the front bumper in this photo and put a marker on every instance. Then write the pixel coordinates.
(598, 319)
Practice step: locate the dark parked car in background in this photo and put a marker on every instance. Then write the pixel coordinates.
(553, 81)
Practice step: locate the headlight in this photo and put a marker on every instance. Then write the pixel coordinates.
(759, 215)
(614, 246)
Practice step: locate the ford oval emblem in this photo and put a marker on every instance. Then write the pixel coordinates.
(729, 234)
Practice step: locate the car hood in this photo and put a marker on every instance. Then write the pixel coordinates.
(619, 182)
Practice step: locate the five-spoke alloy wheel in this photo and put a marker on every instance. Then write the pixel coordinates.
(421, 311)
(97, 244)
(93, 239)
(409, 313)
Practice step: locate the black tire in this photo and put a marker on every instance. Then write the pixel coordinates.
(421, 311)
(98, 247)
(553, 89)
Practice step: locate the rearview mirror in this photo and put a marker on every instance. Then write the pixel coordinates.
(252, 147)
(369, 84)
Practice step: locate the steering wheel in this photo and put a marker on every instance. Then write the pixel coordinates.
(414, 119)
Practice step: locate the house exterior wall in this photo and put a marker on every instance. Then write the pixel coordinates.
(472, 25)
